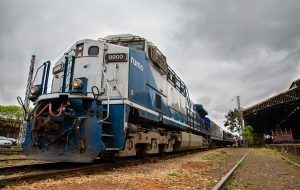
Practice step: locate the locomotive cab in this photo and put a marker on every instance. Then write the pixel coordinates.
(66, 123)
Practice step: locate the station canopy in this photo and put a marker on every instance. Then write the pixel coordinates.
(281, 111)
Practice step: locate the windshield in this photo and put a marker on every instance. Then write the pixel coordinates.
(139, 45)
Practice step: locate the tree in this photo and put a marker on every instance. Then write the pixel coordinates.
(233, 121)
(248, 134)
(11, 112)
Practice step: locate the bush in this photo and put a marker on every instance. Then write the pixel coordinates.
(248, 135)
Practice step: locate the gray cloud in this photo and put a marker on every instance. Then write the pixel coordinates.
(246, 48)
(221, 49)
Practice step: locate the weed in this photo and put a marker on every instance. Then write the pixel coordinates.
(175, 174)
(216, 155)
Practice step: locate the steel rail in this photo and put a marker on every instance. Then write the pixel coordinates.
(41, 173)
(13, 159)
(226, 177)
(24, 167)
(294, 163)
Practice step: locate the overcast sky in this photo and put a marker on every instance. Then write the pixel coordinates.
(221, 49)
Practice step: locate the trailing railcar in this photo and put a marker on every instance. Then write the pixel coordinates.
(216, 139)
(115, 96)
(219, 137)
(228, 137)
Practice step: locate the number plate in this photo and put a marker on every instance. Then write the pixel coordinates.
(116, 57)
(58, 68)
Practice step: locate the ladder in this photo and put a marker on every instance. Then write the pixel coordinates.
(108, 133)
(108, 136)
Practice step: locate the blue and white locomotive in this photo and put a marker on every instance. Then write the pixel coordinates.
(115, 96)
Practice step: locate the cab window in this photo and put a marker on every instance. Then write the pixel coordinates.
(93, 50)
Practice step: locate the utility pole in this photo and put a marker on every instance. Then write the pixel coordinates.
(26, 101)
(238, 102)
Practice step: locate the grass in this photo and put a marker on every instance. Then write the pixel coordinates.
(216, 155)
(229, 185)
(175, 174)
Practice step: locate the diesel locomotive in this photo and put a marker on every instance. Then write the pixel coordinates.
(113, 97)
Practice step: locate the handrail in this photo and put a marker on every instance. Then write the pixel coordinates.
(63, 88)
(108, 100)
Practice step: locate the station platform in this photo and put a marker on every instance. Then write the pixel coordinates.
(290, 148)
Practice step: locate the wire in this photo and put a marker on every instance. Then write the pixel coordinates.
(37, 115)
(51, 111)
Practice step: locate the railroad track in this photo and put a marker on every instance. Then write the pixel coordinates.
(40, 174)
(228, 174)
(294, 163)
(13, 159)
(11, 152)
(39, 171)
(26, 167)
(34, 172)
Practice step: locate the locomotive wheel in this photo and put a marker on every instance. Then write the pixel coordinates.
(161, 152)
(141, 152)
(116, 159)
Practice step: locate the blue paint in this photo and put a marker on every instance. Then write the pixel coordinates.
(207, 123)
(116, 128)
(142, 83)
(173, 123)
(138, 71)
(148, 115)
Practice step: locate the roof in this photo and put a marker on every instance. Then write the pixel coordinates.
(279, 111)
(122, 37)
(295, 83)
(290, 95)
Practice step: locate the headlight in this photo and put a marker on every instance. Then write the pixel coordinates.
(34, 90)
(77, 83)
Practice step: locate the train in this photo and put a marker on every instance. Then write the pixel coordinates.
(220, 137)
(111, 98)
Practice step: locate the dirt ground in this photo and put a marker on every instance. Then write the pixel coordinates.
(197, 170)
(265, 169)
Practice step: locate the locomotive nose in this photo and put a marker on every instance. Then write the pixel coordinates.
(65, 129)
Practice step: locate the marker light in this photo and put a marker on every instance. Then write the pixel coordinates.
(34, 90)
(77, 84)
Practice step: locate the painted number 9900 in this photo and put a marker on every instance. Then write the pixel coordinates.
(116, 57)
